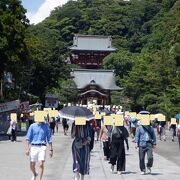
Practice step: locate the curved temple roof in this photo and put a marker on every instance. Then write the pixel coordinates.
(104, 78)
(92, 43)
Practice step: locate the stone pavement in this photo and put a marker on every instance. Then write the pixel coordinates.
(14, 165)
(100, 169)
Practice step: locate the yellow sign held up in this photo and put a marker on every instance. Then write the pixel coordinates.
(119, 120)
(152, 117)
(127, 113)
(173, 121)
(113, 115)
(161, 118)
(144, 119)
(80, 121)
(53, 113)
(103, 113)
(98, 116)
(133, 114)
(13, 116)
(39, 116)
(47, 109)
(108, 120)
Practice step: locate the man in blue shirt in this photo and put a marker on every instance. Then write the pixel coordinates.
(145, 139)
(37, 137)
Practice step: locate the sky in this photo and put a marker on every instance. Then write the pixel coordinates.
(38, 10)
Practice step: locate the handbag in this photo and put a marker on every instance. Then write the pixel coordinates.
(78, 143)
(9, 131)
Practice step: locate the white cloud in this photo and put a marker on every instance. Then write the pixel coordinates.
(44, 10)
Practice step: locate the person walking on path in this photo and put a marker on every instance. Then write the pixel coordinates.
(65, 125)
(117, 149)
(145, 140)
(133, 125)
(178, 134)
(104, 137)
(9, 131)
(37, 137)
(52, 125)
(13, 126)
(81, 150)
(57, 123)
(162, 130)
(172, 129)
(92, 130)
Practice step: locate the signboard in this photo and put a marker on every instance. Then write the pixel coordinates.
(13, 116)
(127, 113)
(108, 120)
(39, 116)
(113, 115)
(173, 121)
(133, 114)
(80, 121)
(161, 118)
(119, 120)
(97, 116)
(103, 113)
(53, 113)
(47, 109)
(9, 106)
(152, 117)
(144, 119)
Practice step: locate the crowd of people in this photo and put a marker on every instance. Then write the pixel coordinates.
(114, 139)
(115, 143)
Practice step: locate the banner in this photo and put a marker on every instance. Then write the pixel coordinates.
(9, 106)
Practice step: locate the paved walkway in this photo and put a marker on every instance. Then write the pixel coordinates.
(14, 165)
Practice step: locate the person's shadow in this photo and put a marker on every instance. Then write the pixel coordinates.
(130, 172)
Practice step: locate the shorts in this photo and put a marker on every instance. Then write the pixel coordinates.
(37, 153)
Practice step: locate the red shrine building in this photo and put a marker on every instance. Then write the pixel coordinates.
(94, 83)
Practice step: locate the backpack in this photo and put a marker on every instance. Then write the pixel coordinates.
(116, 133)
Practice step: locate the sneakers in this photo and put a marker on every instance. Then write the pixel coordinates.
(119, 172)
(77, 176)
(143, 172)
(112, 168)
(149, 170)
(34, 176)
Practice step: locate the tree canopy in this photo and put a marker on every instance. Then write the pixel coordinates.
(146, 34)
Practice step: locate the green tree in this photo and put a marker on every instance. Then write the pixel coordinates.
(13, 51)
(66, 91)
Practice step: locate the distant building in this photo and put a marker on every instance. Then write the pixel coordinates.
(89, 51)
(51, 101)
(94, 83)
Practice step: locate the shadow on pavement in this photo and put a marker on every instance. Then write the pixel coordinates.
(4, 137)
(130, 172)
(155, 174)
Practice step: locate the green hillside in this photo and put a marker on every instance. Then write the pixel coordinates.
(146, 34)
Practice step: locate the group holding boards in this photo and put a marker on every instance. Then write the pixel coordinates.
(112, 119)
(39, 116)
(118, 119)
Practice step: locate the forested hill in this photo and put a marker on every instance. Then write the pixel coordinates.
(146, 34)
